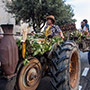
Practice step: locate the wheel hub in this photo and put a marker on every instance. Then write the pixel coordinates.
(30, 75)
(73, 70)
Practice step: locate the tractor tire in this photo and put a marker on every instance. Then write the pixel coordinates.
(65, 71)
(29, 76)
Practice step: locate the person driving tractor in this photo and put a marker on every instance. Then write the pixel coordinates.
(51, 29)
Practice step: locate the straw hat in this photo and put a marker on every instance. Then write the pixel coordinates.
(52, 18)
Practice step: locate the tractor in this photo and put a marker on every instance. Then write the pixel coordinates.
(38, 58)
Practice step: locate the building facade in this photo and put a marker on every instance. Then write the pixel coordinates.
(5, 17)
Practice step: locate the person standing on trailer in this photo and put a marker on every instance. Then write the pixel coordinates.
(86, 26)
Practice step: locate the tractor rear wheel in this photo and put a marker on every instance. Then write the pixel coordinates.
(29, 75)
(65, 69)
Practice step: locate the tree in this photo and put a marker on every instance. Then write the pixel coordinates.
(35, 11)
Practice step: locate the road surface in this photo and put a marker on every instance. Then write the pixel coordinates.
(85, 72)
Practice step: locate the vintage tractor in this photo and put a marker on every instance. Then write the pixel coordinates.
(39, 58)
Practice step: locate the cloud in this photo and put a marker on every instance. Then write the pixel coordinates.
(78, 1)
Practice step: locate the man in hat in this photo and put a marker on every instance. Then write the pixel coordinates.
(51, 29)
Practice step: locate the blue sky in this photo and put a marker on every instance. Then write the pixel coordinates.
(81, 10)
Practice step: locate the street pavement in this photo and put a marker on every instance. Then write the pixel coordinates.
(85, 72)
(85, 75)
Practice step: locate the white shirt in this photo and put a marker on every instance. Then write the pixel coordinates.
(85, 28)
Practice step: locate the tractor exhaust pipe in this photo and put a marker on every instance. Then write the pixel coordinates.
(8, 58)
